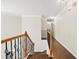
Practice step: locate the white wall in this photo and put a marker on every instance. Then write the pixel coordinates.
(10, 26)
(66, 29)
(32, 24)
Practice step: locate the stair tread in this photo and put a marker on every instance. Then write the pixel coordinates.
(38, 55)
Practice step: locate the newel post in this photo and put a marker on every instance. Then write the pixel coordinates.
(25, 33)
(51, 44)
(25, 47)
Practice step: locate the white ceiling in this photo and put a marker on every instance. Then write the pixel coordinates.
(32, 7)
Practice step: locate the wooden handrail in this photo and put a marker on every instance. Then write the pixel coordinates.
(51, 44)
(14, 38)
(27, 36)
(11, 38)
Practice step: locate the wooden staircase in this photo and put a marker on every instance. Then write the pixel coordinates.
(38, 55)
(22, 47)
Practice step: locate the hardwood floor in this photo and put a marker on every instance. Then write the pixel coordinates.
(60, 52)
(38, 55)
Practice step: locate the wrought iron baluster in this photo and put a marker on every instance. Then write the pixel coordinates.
(11, 51)
(6, 50)
(18, 48)
(15, 49)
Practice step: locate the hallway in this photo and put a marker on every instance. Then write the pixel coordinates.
(38, 28)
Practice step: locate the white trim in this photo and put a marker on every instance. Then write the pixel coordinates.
(31, 16)
(9, 12)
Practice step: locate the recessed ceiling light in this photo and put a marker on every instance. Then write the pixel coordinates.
(60, 0)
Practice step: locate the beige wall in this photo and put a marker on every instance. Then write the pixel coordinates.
(66, 29)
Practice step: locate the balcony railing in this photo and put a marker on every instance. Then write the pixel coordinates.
(17, 47)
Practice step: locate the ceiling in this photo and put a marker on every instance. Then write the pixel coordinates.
(32, 7)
